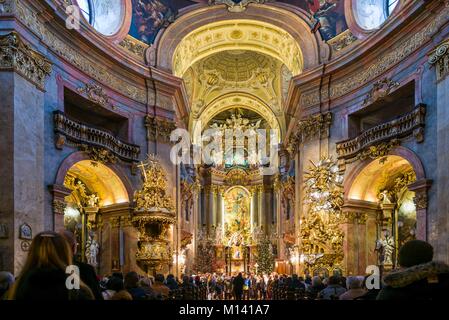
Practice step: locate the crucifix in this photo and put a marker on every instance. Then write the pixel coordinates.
(142, 166)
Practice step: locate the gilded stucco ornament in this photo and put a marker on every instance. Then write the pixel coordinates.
(98, 154)
(380, 90)
(153, 214)
(134, 46)
(323, 188)
(18, 56)
(342, 41)
(96, 94)
(159, 129)
(313, 127)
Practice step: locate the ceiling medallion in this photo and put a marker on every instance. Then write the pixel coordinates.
(235, 5)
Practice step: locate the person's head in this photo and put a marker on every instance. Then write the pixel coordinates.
(48, 250)
(415, 252)
(6, 281)
(159, 278)
(295, 277)
(353, 283)
(131, 280)
(71, 240)
(316, 281)
(145, 283)
(185, 279)
(118, 275)
(333, 280)
(115, 284)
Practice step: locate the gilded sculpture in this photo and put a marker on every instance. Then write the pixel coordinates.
(153, 215)
(320, 230)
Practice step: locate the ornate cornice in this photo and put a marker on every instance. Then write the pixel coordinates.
(100, 145)
(367, 73)
(158, 128)
(440, 58)
(379, 140)
(18, 56)
(313, 127)
(76, 57)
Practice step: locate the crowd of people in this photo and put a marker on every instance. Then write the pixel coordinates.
(44, 277)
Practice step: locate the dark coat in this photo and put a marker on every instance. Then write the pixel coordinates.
(48, 284)
(429, 281)
(238, 284)
(89, 277)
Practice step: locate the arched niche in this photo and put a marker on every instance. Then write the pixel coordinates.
(112, 186)
(365, 184)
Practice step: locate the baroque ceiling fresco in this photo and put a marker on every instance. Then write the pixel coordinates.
(150, 16)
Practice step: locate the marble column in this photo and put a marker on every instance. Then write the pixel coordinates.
(438, 230)
(23, 73)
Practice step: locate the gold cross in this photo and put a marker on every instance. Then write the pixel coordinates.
(142, 166)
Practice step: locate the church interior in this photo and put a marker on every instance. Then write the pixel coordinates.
(115, 119)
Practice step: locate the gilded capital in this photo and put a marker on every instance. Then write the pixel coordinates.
(18, 56)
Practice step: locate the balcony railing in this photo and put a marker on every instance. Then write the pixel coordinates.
(406, 125)
(79, 133)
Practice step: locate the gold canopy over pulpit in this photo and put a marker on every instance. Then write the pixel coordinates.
(153, 216)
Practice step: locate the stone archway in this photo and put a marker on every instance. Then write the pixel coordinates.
(383, 199)
(291, 20)
(88, 196)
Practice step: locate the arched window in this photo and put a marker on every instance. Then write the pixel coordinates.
(105, 16)
(371, 14)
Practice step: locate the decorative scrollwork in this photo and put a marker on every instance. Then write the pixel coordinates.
(315, 126)
(96, 94)
(440, 58)
(380, 90)
(18, 56)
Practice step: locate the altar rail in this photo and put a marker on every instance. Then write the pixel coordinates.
(406, 125)
(82, 134)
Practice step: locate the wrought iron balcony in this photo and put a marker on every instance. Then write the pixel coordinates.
(81, 134)
(411, 123)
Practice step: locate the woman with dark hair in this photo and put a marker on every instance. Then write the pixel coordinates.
(44, 276)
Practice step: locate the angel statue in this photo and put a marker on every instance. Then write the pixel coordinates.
(385, 247)
(92, 249)
(93, 200)
(385, 197)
